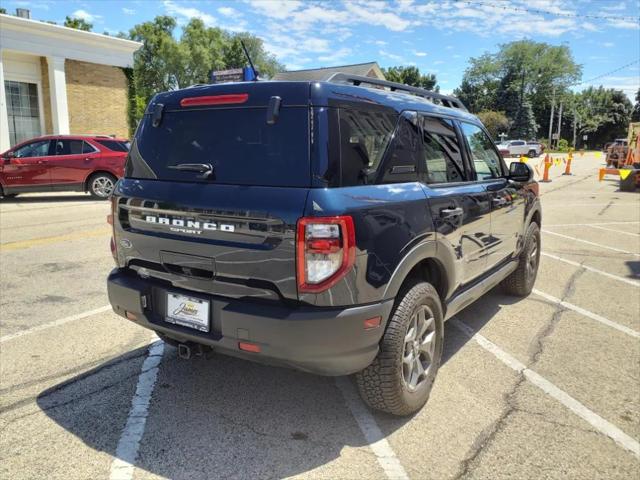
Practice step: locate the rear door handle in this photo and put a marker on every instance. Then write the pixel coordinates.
(451, 212)
(498, 202)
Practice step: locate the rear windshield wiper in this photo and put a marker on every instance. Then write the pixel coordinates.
(205, 168)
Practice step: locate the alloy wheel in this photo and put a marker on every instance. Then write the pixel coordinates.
(419, 348)
(102, 186)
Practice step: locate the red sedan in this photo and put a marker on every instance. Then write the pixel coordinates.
(63, 163)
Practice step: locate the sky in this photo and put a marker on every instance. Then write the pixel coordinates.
(437, 36)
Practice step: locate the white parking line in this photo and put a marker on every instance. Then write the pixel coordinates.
(594, 270)
(589, 224)
(595, 420)
(377, 442)
(55, 323)
(622, 232)
(591, 243)
(123, 464)
(587, 313)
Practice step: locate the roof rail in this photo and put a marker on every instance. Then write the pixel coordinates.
(445, 100)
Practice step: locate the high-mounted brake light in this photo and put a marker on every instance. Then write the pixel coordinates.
(228, 99)
(325, 251)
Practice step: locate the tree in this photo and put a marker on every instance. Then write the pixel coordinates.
(78, 24)
(603, 114)
(411, 76)
(158, 64)
(203, 51)
(495, 122)
(525, 70)
(635, 116)
(3, 11)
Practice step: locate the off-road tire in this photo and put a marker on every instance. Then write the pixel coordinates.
(94, 189)
(381, 384)
(520, 282)
(532, 154)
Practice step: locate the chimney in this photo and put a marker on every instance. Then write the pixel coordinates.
(23, 13)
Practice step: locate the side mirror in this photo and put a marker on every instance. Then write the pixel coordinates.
(520, 172)
(8, 156)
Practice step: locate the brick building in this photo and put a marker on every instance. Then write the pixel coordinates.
(58, 80)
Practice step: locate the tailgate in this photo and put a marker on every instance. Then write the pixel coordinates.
(229, 240)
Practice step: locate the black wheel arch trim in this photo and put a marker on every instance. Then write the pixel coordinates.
(427, 250)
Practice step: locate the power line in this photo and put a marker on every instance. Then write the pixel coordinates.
(514, 8)
(607, 74)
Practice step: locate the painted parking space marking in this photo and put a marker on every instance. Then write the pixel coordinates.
(628, 281)
(123, 464)
(385, 455)
(36, 242)
(55, 323)
(598, 227)
(590, 224)
(587, 313)
(599, 245)
(596, 421)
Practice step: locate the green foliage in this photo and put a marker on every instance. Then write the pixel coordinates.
(78, 24)
(603, 114)
(3, 11)
(563, 145)
(519, 79)
(635, 116)
(411, 76)
(495, 122)
(166, 63)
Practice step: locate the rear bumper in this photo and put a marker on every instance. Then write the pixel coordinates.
(318, 340)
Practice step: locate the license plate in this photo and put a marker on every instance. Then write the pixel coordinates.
(188, 311)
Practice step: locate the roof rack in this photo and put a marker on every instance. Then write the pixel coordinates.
(438, 98)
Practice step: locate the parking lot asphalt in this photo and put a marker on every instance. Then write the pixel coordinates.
(542, 387)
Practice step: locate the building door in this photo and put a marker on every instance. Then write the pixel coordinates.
(22, 111)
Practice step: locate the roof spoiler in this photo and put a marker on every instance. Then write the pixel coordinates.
(438, 98)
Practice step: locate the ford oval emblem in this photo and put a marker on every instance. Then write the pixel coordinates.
(125, 243)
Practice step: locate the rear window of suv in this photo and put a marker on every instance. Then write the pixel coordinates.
(242, 148)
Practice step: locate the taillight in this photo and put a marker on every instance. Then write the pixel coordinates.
(325, 251)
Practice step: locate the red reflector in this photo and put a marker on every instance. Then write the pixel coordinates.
(372, 323)
(130, 316)
(249, 347)
(214, 100)
(323, 245)
(110, 219)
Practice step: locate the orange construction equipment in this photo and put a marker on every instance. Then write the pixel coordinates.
(548, 161)
(629, 176)
(567, 170)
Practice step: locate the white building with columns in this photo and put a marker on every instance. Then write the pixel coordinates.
(58, 80)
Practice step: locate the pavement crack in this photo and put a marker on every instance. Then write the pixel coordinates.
(486, 436)
(540, 338)
(605, 208)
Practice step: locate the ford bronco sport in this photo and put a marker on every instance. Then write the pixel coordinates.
(331, 227)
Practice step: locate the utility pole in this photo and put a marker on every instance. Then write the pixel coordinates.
(553, 106)
(559, 123)
(574, 127)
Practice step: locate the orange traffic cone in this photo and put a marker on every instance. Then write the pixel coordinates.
(567, 170)
(547, 165)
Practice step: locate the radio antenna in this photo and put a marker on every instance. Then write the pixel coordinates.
(246, 52)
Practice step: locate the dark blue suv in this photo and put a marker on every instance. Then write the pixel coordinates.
(331, 227)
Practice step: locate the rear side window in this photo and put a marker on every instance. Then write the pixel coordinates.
(114, 145)
(242, 148)
(71, 147)
(364, 137)
(442, 155)
(400, 165)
